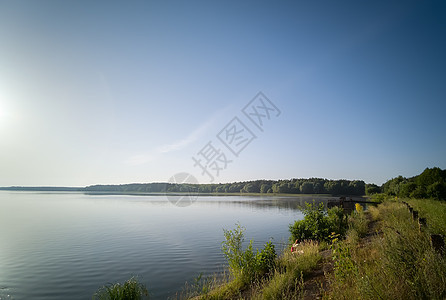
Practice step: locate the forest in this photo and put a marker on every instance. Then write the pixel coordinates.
(291, 186)
(431, 183)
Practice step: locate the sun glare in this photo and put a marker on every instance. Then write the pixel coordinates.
(4, 103)
(3, 109)
(2, 113)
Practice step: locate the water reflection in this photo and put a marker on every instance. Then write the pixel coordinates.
(66, 245)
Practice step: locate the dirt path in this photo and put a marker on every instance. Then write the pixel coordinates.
(316, 282)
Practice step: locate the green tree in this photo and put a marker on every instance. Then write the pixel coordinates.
(318, 188)
(407, 188)
(356, 187)
(371, 189)
(265, 187)
(307, 188)
(437, 190)
(333, 187)
(419, 192)
(430, 176)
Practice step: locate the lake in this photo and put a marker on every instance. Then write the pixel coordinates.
(67, 245)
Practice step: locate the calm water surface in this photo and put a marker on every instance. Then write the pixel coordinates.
(66, 245)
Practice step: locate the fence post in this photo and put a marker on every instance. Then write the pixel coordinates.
(422, 223)
(437, 241)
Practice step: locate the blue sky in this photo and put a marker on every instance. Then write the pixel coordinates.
(116, 92)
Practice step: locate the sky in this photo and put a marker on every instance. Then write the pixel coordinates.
(110, 92)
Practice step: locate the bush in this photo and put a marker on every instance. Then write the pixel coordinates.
(245, 265)
(318, 224)
(379, 198)
(266, 258)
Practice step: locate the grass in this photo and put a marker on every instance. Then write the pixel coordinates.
(434, 211)
(399, 263)
(284, 282)
(287, 281)
(131, 289)
(358, 221)
(384, 255)
(203, 285)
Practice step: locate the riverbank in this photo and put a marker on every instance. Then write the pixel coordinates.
(385, 255)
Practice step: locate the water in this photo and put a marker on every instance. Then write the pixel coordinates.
(67, 245)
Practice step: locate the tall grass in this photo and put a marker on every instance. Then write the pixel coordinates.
(395, 261)
(283, 281)
(217, 286)
(399, 264)
(287, 281)
(358, 221)
(131, 289)
(434, 211)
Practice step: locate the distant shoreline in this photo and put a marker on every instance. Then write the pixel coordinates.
(43, 188)
(262, 187)
(87, 192)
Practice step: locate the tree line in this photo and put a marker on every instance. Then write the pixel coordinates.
(291, 186)
(431, 183)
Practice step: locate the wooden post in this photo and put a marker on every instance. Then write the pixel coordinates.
(437, 242)
(422, 223)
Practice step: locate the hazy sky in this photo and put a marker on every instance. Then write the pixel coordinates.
(117, 92)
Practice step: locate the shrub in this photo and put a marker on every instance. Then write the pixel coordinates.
(245, 265)
(379, 198)
(318, 224)
(266, 258)
(337, 221)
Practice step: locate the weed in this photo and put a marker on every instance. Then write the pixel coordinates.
(246, 265)
(359, 222)
(343, 264)
(131, 289)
